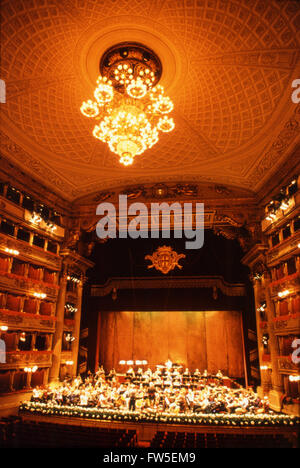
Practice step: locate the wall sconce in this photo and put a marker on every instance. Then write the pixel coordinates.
(12, 251)
(69, 337)
(284, 293)
(23, 337)
(265, 340)
(294, 378)
(262, 308)
(71, 308)
(73, 278)
(40, 295)
(30, 369)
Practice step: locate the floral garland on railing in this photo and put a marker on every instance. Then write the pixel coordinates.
(165, 418)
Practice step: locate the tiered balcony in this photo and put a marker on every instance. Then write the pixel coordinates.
(21, 359)
(287, 323)
(23, 285)
(284, 249)
(22, 320)
(291, 283)
(29, 252)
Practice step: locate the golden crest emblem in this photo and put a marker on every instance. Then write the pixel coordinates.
(165, 259)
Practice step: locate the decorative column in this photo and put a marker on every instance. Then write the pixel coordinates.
(277, 381)
(75, 344)
(28, 380)
(98, 342)
(58, 334)
(11, 380)
(265, 384)
(33, 341)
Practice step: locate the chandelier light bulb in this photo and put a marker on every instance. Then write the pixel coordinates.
(165, 124)
(89, 108)
(136, 89)
(104, 93)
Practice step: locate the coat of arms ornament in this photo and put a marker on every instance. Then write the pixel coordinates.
(165, 259)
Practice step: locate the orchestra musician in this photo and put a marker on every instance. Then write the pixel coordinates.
(166, 389)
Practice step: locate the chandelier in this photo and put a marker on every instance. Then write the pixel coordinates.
(129, 105)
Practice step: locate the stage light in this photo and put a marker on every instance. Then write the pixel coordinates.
(3, 328)
(122, 363)
(129, 363)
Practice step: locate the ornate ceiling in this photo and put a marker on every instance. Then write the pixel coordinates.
(228, 66)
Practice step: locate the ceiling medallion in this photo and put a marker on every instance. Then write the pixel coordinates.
(131, 107)
(165, 259)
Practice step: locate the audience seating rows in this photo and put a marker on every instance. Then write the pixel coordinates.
(168, 440)
(31, 434)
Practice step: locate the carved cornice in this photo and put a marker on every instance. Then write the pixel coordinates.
(228, 289)
(23, 180)
(73, 260)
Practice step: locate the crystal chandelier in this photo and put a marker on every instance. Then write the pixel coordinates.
(129, 104)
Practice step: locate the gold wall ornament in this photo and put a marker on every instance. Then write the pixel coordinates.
(165, 259)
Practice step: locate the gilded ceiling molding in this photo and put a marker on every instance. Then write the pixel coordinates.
(228, 71)
(288, 135)
(15, 152)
